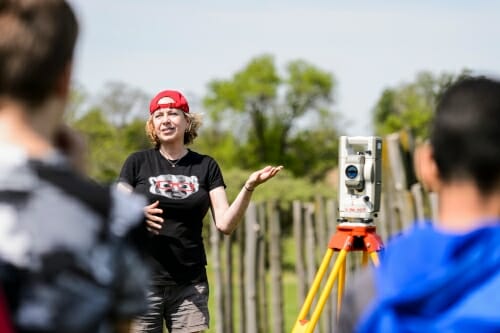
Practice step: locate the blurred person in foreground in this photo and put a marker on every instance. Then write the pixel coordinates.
(181, 186)
(69, 253)
(444, 275)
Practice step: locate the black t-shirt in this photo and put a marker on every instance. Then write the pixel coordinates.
(183, 195)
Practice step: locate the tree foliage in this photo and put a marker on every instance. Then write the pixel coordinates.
(122, 103)
(101, 138)
(410, 106)
(273, 114)
(113, 127)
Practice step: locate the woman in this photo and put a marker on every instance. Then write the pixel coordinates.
(181, 186)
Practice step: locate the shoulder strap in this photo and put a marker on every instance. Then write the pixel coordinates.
(95, 196)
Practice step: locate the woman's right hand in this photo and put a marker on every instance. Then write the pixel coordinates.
(153, 221)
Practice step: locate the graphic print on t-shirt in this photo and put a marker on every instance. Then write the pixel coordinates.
(174, 186)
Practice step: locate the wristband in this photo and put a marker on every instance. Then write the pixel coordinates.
(246, 188)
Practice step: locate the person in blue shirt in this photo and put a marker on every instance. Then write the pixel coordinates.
(444, 275)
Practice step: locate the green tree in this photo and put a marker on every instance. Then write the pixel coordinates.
(221, 145)
(410, 106)
(114, 127)
(133, 136)
(105, 149)
(121, 103)
(78, 100)
(320, 146)
(269, 113)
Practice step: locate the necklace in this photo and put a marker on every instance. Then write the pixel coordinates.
(172, 163)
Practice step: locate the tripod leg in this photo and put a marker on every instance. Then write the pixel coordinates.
(375, 259)
(313, 290)
(364, 260)
(339, 262)
(340, 286)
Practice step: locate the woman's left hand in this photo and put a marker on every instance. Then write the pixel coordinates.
(261, 176)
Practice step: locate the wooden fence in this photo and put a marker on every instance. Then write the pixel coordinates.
(250, 276)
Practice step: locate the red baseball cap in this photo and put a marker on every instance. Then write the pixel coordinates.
(171, 99)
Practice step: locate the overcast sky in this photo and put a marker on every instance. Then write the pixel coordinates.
(366, 45)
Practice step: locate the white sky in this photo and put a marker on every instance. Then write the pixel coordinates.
(367, 45)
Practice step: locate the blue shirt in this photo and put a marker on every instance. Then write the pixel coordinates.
(432, 281)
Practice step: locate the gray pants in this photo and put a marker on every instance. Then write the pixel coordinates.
(184, 308)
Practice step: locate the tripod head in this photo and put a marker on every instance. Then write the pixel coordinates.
(360, 175)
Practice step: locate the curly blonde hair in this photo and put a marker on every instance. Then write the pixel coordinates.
(194, 121)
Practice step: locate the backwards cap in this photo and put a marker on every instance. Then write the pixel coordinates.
(170, 99)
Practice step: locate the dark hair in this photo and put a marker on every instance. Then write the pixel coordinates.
(37, 41)
(466, 133)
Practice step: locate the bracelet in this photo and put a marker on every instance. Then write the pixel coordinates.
(246, 188)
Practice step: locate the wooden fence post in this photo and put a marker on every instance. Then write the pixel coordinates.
(219, 284)
(322, 242)
(251, 268)
(298, 236)
(263, 308)
(310, 244)
(310, 248)
(416, 191)
(275, 260)
(399, 192)
(241, 279)
(228, 318)
(331, 217)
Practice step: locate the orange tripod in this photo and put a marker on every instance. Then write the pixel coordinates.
(348, 237)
